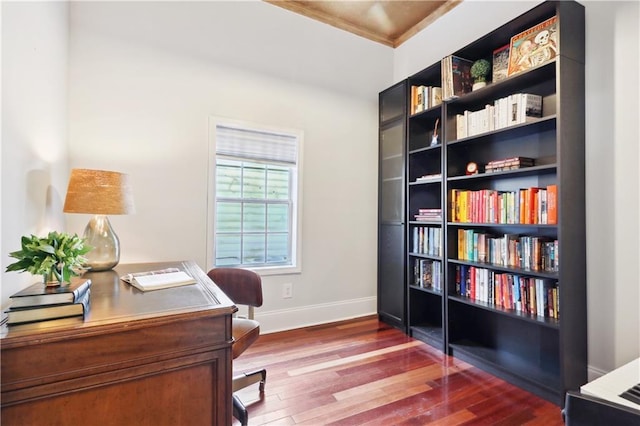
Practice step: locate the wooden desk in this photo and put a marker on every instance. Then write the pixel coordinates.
(154, 358)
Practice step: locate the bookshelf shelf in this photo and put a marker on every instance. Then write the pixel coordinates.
(530, 227)
(534, 170)
(425, 256)
(541, 353)
(506, 133)
(425, 148)
(507, 365)
(527, 79)
(426, 182)
(516, 271)
(428, 333)
(548, 322)
(426, 290)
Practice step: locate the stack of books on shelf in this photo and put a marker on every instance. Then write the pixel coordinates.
(512, 163)
(514, 109)
(528, 295)
(429, 178)
(429, 215)
(425, 97)
(40, 303)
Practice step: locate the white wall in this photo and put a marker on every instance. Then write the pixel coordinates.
(612, 135)
(146, 76)
(34, 127)
(613, 207)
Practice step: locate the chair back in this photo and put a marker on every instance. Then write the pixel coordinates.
(242, 286)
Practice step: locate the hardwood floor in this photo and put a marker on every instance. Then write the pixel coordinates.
(363, 372)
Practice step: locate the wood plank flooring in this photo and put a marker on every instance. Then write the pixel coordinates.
(363, 372)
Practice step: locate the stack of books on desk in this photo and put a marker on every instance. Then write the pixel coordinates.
(40, 303)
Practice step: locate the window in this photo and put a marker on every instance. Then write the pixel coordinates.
(255, 177)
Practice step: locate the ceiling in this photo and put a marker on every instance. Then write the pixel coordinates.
(389, 22)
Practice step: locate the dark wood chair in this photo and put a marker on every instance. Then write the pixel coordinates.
(243, 287)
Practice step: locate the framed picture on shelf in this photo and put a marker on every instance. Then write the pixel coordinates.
(534, 47)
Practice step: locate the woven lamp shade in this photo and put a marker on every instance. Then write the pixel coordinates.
(99, 192)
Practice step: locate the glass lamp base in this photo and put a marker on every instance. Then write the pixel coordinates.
(106, 245)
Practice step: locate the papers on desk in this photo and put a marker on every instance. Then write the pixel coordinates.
(156, 280)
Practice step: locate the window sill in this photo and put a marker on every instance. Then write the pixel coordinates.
(277, 270)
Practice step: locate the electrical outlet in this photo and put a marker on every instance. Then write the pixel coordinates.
(287, 291)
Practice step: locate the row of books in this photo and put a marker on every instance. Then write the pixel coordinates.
(508, 111)
(39, 302)
(528, 206)
(510, 250)
(427, 240)
(533, 296)
(512, 163)
(427, 273)
(425, 97)
(429, 215)
(529, 49)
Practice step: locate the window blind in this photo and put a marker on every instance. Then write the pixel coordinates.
(256, 145)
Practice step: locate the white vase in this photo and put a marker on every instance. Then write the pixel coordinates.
(479, 85)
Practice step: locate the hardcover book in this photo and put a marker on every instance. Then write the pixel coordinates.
(534, 47)
(49, 312)
(500, 63)
(39, 294)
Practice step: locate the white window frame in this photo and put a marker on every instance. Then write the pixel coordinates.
(296, 219)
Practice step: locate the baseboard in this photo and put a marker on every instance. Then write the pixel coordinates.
(594, 373)
(305, 316)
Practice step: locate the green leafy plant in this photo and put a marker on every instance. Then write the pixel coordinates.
(480, 70)
(57, 256)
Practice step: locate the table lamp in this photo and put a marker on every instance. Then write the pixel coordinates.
(100, 193)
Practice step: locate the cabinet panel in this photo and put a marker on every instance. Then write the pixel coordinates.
(391, 206)
(392, 172)
(186, 407)
(393, 103)
(391, 273)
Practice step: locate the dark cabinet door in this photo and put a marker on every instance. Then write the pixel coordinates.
(391, 205)
(391, 196)
(391, 278)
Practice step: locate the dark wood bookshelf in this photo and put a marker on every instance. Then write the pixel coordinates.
(546, 356)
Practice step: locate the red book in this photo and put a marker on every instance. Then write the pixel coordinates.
(472, 278)
(532, 205)
(552, 204)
